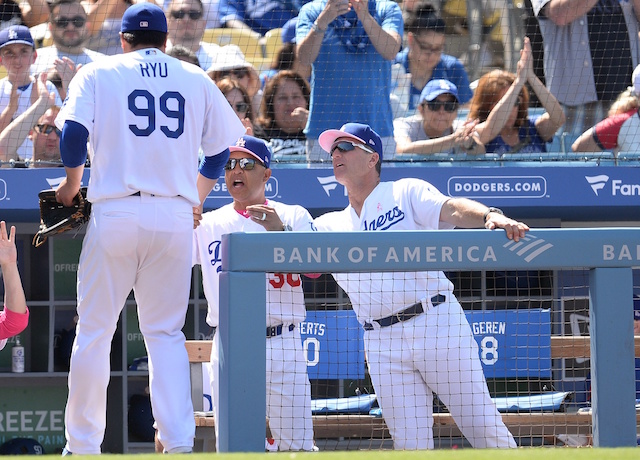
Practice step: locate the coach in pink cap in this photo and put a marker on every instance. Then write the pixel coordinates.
(365, 138)
(416, 336)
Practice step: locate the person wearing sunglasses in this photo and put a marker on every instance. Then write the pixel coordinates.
(68, 25)
(239, 101)
(288, 388)
(416, 336)
(231, 63)
(501, 104)
(435, 128)
(424, 59)
(187, 23)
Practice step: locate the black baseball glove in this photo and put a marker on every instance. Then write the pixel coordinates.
(56, 218)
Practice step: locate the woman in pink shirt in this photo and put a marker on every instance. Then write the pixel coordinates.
(15, 316)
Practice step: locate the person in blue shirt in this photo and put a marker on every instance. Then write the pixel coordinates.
(424, 58)
(351, 46)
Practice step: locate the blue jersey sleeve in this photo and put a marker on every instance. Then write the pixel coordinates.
(212, 167)
(73, 144)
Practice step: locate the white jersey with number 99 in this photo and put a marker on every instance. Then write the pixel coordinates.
(147, 115)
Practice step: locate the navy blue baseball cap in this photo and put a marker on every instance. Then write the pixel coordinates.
(16, 34)
(636, 307)
(356, 131)
(254, 147)
(437, 87)
(144, 16)
(288, 33)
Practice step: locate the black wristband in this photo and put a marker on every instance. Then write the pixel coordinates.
(490, 210)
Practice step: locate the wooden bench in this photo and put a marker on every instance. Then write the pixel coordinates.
(363, 426)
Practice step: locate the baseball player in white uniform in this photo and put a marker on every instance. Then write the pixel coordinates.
(288, 388)
(417, 339)
(146, 114)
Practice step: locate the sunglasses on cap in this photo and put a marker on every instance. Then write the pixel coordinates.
(245, 163)
(348, 146)
(77, 21)
(237, 73)
(194, 15)
(449, 106)
(46, 129)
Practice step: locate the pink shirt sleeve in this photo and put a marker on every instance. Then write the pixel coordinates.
(12, 323)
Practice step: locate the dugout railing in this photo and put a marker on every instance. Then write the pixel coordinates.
(609, 254)
(362, 431)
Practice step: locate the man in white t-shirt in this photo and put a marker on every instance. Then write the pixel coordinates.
(69, 31)
(186, 22)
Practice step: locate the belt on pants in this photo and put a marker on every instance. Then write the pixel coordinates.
(406, 314)
(275, 331)
(138, 194)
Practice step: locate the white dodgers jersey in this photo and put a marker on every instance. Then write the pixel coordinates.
(147, 115)
(406, 204)
(285, 298)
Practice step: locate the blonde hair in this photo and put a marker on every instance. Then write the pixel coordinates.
(627, 100)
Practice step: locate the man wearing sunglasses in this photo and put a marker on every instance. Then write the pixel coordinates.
(288, 389)
(69, 31)
(435, 128)
(186, 24)
(416, 337)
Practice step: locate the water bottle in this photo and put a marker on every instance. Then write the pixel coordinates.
(17, 357)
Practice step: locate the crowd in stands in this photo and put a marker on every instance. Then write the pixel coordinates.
(379, 62)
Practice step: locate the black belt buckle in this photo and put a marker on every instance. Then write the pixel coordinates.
(274, 331)
(406, 314)
(438, 299)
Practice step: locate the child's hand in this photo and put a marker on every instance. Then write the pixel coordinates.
(13, 99)
(8, 251)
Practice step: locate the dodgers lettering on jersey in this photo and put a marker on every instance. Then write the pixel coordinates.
(386, 220)
(214, 252)
(406, 204)
(285, 297)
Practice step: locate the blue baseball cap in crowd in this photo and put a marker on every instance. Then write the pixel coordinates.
(16, 35)
(356, 131)
(435, 88)
(254, 147)
(288, 33)
(636, 307)
(144, 16)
